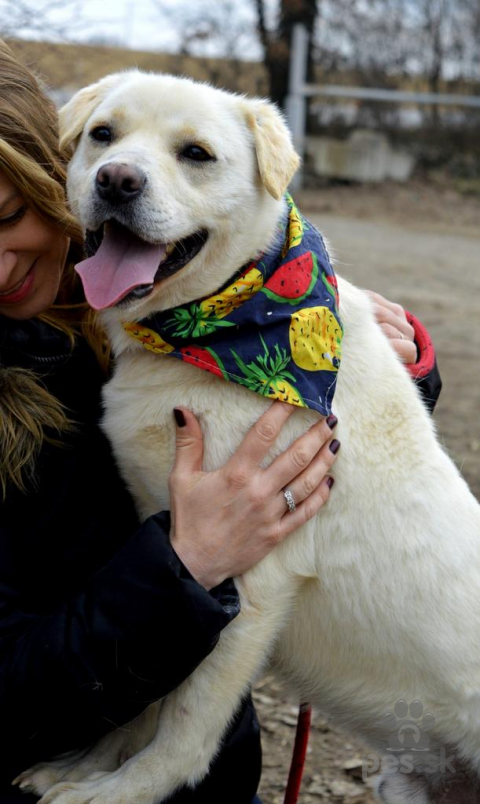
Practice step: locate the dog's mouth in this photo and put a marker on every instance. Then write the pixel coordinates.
(121, 267)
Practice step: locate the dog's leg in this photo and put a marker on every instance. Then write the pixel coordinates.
(194, 717)
(460, 786)
(107, 755)
(399, 789)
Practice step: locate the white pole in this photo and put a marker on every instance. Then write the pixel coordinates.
(398, 96)
(296, 105)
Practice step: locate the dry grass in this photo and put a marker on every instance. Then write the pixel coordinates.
(74, 66)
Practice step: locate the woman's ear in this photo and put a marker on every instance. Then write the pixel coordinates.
(76, 112)
(276, 156)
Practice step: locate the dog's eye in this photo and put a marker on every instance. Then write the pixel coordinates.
(101, 134)
(197, 154)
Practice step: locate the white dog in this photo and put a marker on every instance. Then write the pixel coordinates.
(376, 600)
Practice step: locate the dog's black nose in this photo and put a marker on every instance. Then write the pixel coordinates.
(119, 184)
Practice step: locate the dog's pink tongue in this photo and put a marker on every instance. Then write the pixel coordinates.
(121, 264)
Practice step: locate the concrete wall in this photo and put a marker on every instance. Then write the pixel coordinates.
(366, 156)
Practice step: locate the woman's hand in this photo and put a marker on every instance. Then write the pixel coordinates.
(225, 522)
(393, 321)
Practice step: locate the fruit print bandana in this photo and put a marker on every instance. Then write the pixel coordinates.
(273, 328)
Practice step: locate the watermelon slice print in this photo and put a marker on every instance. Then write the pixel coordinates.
(204, 358)
(330, 282)
(293, 281)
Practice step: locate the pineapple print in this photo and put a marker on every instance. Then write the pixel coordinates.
(267, 376)
(206, 316)
(295, 227)
(149, 338)
(248, 284)
(316, 339)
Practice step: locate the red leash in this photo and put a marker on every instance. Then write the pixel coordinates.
(299, 754)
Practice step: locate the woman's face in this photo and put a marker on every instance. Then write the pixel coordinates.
(32, 257)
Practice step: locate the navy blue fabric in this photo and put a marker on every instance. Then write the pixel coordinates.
(274, 327)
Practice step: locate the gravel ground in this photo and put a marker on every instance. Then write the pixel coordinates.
(418, 245)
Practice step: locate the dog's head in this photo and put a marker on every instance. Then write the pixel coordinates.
(177, 184)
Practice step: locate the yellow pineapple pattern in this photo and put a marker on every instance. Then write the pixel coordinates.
(285, 392)
(295, 228)
(221, 304)
(316, 339)
(150, 339)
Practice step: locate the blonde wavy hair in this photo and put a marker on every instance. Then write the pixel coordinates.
(31, 158)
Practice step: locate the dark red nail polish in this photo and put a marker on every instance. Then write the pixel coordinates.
(330, 482)
(334, 446)
(179, 417)
(332, 421)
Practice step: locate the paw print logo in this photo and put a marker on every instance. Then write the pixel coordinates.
(407, 727)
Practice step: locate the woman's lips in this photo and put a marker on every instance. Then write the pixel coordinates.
(20, 291)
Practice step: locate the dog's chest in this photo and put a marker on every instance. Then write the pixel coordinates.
(139, 421)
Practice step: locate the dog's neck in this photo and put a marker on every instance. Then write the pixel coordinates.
(274, 328)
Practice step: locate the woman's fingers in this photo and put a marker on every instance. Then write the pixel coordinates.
(260, 438)
(189, 442)
(377, 298)
(396, 320)
(395, 327)
(405, 349)
(393, 321)
(291, 522)
(393, 315)
(295, 460)
(308, 481)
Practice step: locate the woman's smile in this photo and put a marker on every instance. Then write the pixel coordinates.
(21, 290)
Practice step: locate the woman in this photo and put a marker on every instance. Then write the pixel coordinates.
(99, 614)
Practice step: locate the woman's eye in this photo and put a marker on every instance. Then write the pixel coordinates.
(101, 134)
(9, 220)
(197, 154)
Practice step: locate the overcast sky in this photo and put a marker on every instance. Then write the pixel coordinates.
(130, 23)
(137, 24)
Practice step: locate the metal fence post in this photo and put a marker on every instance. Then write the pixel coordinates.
(296, 104)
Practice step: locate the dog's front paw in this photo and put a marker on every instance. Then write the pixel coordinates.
(75, 793)
(42, 777)
(39, 779)
(100, 788)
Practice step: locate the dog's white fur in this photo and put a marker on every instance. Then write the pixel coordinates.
(377, 599)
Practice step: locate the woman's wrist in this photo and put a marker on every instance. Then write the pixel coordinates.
(198, 565)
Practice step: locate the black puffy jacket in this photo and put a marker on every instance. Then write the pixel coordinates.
(98, 616)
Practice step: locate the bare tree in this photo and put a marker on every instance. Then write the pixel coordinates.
(386, 40)
(224, 29)
(259, 29)
(46, 20)
(276, 41)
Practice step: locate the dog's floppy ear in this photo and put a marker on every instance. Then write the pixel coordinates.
(276, 157)
(76, 112)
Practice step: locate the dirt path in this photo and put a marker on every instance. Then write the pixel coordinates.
(436, 275)
(419, 246)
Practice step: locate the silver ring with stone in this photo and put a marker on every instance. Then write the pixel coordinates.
(290, 501)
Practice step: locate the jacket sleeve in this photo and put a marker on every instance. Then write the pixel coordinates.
(425, 371)
(139, 627)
